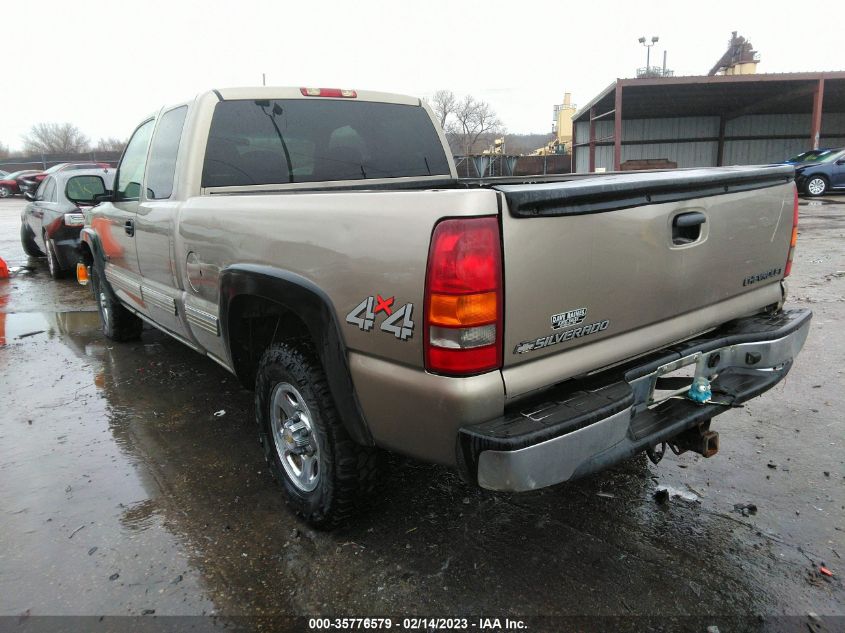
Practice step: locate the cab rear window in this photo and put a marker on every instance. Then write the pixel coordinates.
(260, 142)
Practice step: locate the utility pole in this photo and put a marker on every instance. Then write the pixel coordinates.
(263, 79)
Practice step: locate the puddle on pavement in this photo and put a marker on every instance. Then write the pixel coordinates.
(26, 326)
(77, 504)
(816, 203)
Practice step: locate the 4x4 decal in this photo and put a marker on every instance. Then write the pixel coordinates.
(398, 322)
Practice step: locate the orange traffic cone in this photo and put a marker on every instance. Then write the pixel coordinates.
(4, 270)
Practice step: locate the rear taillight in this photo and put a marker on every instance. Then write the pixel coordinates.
(463, 298)
(794, 239)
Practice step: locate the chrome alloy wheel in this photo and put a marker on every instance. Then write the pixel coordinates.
(293, 437)
(816, 186)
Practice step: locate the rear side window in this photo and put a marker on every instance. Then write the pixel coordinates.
(49, 194)
(311, 140)
(131, 168)
(162, 163)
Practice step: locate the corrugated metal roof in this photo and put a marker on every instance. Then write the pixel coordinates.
(732, 95)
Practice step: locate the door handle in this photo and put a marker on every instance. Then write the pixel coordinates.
(685, 220)
(686, 227)
(129, 227)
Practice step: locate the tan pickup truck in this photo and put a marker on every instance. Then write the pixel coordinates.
(318, 244)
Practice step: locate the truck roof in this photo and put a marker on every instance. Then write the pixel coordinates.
(290, 92)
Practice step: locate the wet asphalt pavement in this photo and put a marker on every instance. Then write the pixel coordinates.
(122, 493)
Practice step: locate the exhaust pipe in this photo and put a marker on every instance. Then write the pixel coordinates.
(699, 440)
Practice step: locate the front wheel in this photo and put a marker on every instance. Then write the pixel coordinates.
(816, 186)
(117, 323)
(325, 474)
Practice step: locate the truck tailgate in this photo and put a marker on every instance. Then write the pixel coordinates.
(603, 269)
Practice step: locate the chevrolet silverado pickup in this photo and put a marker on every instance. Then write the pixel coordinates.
(318, 244)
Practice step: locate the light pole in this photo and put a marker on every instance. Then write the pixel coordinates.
(648, 46)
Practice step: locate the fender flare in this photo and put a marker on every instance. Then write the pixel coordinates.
(89, 237)
(314, 308)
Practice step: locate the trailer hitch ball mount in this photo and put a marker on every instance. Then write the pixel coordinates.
(699, 439)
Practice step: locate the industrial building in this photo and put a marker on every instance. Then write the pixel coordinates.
(732, 116)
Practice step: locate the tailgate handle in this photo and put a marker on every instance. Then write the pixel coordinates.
(686, 227)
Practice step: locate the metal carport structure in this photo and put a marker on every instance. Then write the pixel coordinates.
(702, 116)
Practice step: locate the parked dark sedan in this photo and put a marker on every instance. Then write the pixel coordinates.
(52, 221)
(820, 171)
(9, 183)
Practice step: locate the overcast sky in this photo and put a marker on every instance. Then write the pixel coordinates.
(104, 65)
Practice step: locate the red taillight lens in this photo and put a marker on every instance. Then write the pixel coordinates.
(794, 240)
(463, 299)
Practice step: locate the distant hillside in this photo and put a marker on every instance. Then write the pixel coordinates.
(525, 143)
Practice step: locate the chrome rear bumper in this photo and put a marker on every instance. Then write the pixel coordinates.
(583, 426)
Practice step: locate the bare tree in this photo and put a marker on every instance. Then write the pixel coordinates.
(444, 104)
(4, 150)
(473, 121)
(55, 138)
(468, 123)
(110, 144)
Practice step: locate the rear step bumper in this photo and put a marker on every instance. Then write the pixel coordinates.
(582, 426)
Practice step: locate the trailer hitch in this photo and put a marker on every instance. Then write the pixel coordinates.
(699, 439)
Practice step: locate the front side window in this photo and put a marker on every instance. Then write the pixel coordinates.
(258, 142)
(162, 165)
(130, 172)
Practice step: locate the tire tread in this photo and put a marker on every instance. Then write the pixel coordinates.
(353, 468)
(124, 325)
(28, 242)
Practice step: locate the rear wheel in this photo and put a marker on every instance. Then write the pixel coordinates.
(28, 242)
(56, 271)
(816, 186)
(5, 192)
(325, 474)
(117, 323)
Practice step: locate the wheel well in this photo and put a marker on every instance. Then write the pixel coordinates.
(85, 253)
(254, 324)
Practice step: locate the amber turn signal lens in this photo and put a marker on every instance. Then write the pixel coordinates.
(463, 310)
(82, 274)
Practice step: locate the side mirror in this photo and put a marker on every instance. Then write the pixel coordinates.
(29, 196)
(841, 161)
(108, 196)
(85, 190)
